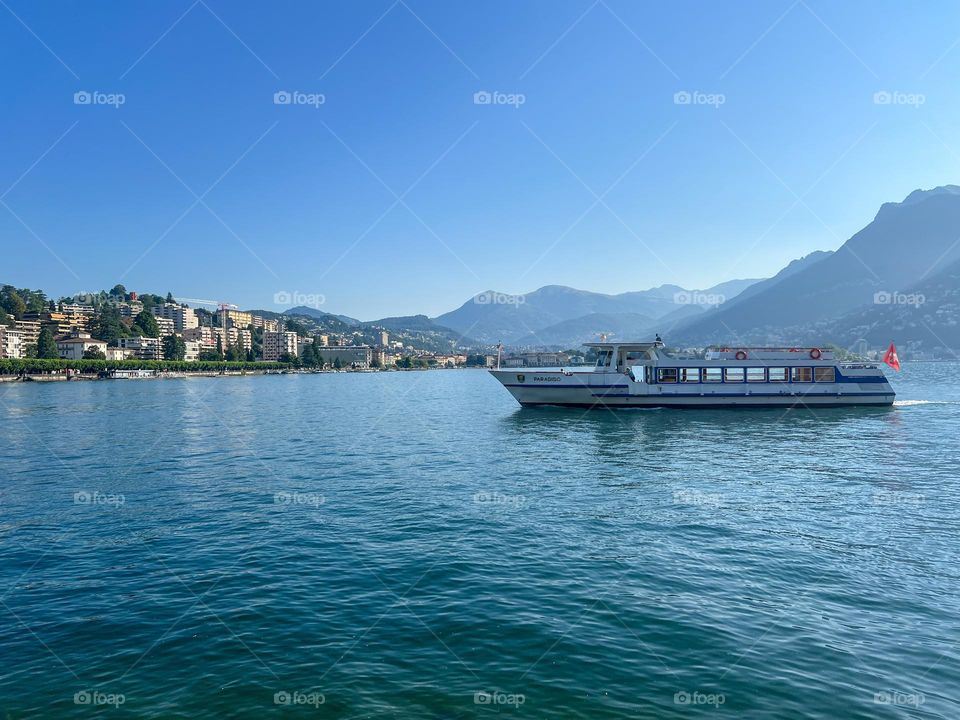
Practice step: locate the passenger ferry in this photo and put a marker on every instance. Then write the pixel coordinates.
(642, 375)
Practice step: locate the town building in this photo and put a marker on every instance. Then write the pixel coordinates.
(278, 344)
(74, 346)
(192, 350)
(12, 343)
(184, 318)
(205, 336)
(30, 330)
(165, 325)
(130, 309)
(384, 338)
(115, 353)
(235, 318)
(144, 348)
(358, 356)
(302, 343)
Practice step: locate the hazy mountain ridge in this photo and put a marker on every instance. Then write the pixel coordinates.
(905, 242)
(493, 317)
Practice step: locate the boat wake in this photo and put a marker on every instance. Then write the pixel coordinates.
(910, 403)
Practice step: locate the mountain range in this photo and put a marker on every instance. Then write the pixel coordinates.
(896, 279)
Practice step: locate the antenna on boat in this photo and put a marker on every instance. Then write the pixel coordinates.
(499, 350)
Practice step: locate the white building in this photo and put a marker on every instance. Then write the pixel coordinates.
(115, 353)
(192, 353)
(165, 326)
(12, 343)
(205, 336)
(184, 318)
(276, 344)
(73, 348)
(144, 348)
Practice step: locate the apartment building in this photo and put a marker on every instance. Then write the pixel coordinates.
(144, 348)
(276, 344)
(12, 343)
(184, 318)
(359, 356)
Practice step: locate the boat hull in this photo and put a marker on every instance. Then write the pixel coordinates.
(615, 391)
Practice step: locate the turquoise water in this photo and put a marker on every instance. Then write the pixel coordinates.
(416, 545)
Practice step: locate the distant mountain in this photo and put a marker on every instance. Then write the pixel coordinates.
(493, 317)
(924, 316)
(905, 242)
(319, 314)
(573, 333)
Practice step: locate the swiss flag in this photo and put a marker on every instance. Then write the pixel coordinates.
(891, 358)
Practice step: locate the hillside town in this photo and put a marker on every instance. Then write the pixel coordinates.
(122, 325)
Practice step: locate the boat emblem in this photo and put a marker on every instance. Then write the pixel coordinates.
(521, 378)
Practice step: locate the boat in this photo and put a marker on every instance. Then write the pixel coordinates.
(644, 375)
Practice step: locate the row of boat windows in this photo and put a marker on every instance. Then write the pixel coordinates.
(739, 375)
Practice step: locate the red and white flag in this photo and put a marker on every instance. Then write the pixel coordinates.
(891, 357)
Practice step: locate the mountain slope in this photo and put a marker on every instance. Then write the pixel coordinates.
(492, 316)
(575, 332)
(903, 242)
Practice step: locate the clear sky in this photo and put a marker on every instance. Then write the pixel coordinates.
(400, 194)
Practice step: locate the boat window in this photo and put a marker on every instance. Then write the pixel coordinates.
(712, 375)
(778, 374)
(603, 358)
(733, 375)
(803, 374)
(825, 374)
(648, 374)
(667, 375)
(756, 375)
(689, 375)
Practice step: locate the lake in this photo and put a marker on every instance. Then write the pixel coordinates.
(416, 545)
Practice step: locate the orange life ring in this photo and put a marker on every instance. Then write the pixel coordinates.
(815, 353)
(741, 355)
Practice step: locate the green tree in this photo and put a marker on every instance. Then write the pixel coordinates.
(147, 324)
(174, 348)
(170, 298)
(336, 363)
(235, 352)
(12, 301)
(46, 345)
(94, 353)
(107, 325)
(119, 291)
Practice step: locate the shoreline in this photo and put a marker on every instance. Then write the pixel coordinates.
(61, 376)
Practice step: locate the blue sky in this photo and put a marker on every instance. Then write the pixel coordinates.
(399, 194)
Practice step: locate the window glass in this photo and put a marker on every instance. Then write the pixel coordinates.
(603, 357)
(803, 374)
(733, 375)
(756, 375)
(711, 375)
(667, 375)
(825, 374)
(778, 374)
(689, 375)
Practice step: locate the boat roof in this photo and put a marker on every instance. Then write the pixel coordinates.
(622, 345)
